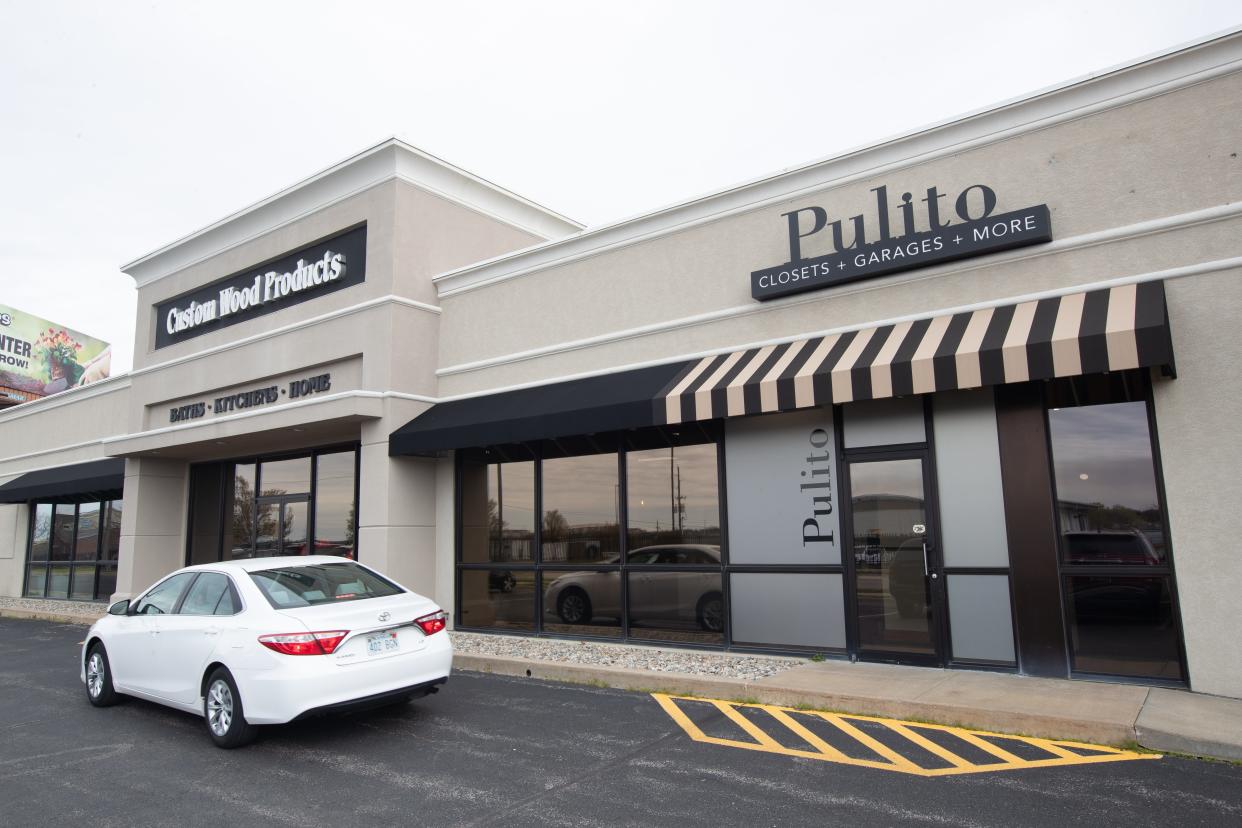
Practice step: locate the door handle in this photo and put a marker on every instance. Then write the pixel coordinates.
(926, 572)
(211, 631)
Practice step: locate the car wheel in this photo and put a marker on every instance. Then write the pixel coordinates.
(711, 612)
(222, 709)
(99, 688)
(574, 607)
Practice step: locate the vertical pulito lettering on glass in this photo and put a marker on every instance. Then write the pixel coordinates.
(819, 487)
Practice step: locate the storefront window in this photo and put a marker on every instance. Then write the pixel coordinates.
(673, 497)
(1107, 500)
(239, 543)
(40, 541)
(498, 512)
(582, 602)
(563, 573)
(1114, 545)
(62, 531)
(278, 477)
(73, 550)
(334, 504)
(581, 506)
(498, 598)
(286, 506)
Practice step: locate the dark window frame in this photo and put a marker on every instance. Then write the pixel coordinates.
(97, 565)
(1124, 386)
(310, 498)
(618, 444)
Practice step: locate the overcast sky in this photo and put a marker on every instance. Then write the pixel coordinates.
(125, 125)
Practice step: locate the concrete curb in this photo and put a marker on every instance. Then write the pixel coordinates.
(770, 692)
(1191, 723)
(54, 617)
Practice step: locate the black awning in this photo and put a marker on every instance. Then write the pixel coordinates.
(79, 483)
(563, 409)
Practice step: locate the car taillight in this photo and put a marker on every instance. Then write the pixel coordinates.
(314, 643)
(432, 623)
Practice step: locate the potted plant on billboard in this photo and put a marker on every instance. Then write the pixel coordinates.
(61, 352)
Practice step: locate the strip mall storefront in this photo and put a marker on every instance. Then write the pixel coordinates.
(963, 398)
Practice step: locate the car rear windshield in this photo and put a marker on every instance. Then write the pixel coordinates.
(310, 584)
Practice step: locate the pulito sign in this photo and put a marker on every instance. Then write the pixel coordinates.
(972, 229)
(330, 265)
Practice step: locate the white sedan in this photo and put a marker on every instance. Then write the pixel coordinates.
(266, 641)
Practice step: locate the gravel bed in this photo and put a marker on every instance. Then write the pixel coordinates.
(655, 659)
(82, 608)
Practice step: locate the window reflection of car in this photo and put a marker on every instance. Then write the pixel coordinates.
(679, 597)
(1115, 548)
(1112, 599)
(907, 578)
(501, 580)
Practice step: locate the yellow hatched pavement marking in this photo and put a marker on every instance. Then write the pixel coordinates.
(1058, 749)
(804, 734)
(928, 745)
(884, 750)
(746, 724)
(987, 747)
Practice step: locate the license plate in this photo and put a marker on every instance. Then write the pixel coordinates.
(381, 643)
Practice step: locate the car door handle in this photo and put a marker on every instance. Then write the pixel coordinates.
(211, 631)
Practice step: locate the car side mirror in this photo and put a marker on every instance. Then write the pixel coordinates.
(119, 608)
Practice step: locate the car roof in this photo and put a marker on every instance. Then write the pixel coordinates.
(258, 564)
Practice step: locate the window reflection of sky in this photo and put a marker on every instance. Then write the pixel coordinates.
(512, 487)
(652, 488)
(583, 489)
(903, 478)
(1102, 454)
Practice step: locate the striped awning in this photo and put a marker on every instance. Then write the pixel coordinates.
(1111, 329)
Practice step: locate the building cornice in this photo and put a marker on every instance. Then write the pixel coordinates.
(1167, 275)
(1118, 86)
(1223, 212)
(389, 160)
(119, 382)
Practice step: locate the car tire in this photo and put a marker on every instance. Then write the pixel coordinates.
(574, 607)
(223, 712)
(710, 612)
(99, 689)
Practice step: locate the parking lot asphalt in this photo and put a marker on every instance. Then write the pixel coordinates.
(492, 750)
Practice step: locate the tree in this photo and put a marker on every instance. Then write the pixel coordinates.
(555, 526)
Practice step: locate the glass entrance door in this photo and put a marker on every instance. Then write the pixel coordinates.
(281, 525)
(896, 565)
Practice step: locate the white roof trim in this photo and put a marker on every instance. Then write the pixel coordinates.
(1143, 78)
(385, 161)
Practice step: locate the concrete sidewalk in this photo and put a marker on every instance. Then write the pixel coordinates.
(1159, 719)
(1094, 711)
(1176, 721)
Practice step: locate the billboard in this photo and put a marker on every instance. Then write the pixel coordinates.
(38, 357)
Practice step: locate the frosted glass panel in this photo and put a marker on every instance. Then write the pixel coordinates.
(979, 617)
(793, 610)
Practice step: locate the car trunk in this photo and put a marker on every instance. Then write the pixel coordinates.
(378, 627)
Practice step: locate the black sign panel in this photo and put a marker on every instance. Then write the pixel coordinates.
(319, 269)
(960, 240)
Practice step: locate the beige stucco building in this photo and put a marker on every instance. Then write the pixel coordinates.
(961, 398)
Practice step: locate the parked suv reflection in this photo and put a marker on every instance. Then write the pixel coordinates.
(657, 598)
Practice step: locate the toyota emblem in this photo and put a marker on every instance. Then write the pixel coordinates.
(384, 616)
